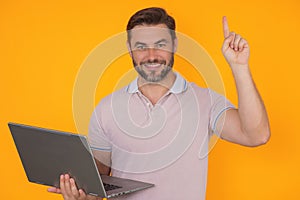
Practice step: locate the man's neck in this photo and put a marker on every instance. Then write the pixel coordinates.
(154, 91)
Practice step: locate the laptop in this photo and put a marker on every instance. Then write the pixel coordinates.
(46, 154)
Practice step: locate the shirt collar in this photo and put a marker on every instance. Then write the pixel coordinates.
(179, 86)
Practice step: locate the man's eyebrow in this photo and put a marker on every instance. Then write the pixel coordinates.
(139, 43)
(162, 40)
(157, 42)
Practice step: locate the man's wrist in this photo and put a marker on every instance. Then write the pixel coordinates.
(240, 68)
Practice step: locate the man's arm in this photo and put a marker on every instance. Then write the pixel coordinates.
(248, 125)
(103, 161)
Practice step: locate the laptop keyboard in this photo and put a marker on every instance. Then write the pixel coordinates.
(108, 187)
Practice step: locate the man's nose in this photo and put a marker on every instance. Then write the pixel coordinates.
(151, 52)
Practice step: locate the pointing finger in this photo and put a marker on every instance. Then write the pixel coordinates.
(228, 42)
(231, 36)
(225, 27)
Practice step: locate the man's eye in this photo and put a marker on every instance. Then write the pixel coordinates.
(141, 47)
(160, 45)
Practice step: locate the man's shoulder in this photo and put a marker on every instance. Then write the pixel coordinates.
(118, 94)
(198, 89)
(203, 92)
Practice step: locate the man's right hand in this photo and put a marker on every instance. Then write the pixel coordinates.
(69, 190)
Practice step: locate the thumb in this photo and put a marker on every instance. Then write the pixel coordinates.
(54, 190)
(228, 41)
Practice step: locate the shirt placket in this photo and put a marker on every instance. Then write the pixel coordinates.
(148, 103)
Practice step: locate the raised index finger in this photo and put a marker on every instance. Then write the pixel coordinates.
(225, 27)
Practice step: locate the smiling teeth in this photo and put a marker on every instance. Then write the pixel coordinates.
(152, 64)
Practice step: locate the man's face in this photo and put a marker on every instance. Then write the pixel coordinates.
(152, 50)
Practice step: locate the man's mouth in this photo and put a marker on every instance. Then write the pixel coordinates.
(153, 65)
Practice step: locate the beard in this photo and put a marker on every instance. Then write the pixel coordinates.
(152, 76)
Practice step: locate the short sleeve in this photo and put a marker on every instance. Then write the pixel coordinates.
(98, 139)
(219, 104)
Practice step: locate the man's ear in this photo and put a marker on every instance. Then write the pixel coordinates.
(129, 48)
(175, 43)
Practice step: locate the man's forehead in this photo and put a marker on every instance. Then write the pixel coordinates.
(150, 33)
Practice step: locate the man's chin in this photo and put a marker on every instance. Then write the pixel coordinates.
(153, 76)
(151, 79)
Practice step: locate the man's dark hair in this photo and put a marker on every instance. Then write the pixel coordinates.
(151, 16)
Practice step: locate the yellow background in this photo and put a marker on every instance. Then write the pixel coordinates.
(43, 44)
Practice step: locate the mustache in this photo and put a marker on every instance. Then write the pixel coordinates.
(163, 62)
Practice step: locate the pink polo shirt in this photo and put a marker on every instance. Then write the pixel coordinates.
(165, 144)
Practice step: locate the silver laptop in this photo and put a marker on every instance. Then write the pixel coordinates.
(46, 154)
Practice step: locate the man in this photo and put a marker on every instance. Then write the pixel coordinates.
(157, 128)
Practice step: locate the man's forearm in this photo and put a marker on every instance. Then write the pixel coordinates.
(251, 109)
